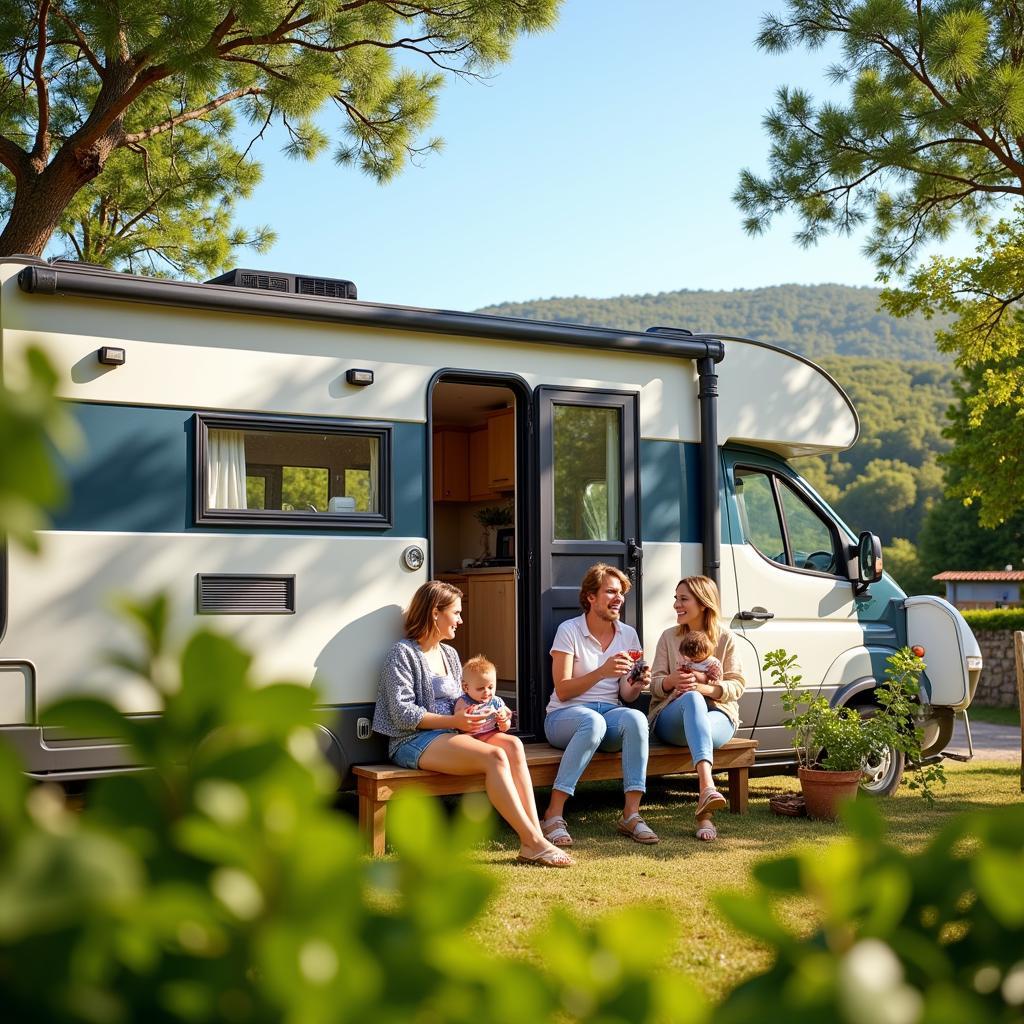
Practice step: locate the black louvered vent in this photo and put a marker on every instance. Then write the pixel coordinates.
(245, 595)
(293, 284)
(325, 287)
(267, 282)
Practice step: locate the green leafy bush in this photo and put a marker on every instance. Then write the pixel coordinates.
(932, 937)
(840, 739)
(220, 886)
(993, 619)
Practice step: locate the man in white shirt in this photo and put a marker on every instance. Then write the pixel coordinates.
(592, 662)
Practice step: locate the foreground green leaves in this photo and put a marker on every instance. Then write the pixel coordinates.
(220, 885)
(32, 423)
(928, 938)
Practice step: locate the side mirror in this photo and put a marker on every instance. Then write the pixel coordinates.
(869, 559)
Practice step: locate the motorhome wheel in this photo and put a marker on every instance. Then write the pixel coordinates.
(884, 771)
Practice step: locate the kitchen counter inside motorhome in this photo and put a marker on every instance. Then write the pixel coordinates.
(481, 570)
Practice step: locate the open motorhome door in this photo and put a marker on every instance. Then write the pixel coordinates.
(588, 498)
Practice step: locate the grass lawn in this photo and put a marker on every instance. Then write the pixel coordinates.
(681, 874)
(997, 716)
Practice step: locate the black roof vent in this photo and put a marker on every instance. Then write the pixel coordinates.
(293, 284)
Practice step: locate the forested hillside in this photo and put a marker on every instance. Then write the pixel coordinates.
(814, 320)
(891, 482)
(890, 479)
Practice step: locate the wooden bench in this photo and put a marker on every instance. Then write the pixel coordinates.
(378, 783)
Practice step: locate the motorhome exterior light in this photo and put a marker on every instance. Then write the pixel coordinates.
(918, 650)
(110, 356)
(359, 377)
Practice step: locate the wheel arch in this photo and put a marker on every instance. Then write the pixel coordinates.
(856, 693)
(855, 673)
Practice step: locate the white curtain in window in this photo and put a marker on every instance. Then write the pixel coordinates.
(225, 469)
(602, 498)
(595, 510)
(374, 474)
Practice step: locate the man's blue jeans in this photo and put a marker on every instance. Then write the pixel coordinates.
(582, 729)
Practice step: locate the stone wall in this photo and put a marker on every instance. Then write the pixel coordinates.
(998, 684)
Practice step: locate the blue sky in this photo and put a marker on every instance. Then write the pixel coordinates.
(599, 162)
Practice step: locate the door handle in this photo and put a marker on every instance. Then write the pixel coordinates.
(757, 613)
(634, 552)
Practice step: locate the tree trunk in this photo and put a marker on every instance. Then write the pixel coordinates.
(41, 199)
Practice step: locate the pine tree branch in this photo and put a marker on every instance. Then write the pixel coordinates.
(259, 134)
(15, 159)
(841, 26)
(83, 43)
(192, 115)
(262, 65)
(41, 147)
(223, 28)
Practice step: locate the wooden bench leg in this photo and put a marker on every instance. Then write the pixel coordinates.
(738, 790)
(372, 816)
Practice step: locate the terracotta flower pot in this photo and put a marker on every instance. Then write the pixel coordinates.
(825, 791)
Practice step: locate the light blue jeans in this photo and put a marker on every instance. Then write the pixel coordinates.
(687, 722)
(582, 729)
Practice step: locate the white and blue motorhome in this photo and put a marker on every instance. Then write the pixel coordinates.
(293, 463)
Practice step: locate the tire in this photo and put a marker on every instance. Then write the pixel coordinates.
(882, 774)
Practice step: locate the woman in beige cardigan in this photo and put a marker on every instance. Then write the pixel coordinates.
(687, 708)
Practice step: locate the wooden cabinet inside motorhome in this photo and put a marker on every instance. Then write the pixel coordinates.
(501, 450)
(451, 465)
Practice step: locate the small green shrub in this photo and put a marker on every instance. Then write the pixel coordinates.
(839, 739)
(988, 620)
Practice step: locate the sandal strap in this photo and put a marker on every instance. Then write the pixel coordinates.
(639, 826)
(555, 827)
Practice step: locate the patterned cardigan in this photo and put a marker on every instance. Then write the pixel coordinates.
(405, 691)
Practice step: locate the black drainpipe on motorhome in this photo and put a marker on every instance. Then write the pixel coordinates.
(711, 519)
(707, 396)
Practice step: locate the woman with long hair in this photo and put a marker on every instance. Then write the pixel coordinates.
(688, 708)
(419, 685)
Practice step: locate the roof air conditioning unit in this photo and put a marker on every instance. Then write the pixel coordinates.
(289, 284)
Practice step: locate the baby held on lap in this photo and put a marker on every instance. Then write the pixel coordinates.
(696, 655)
(479, 681)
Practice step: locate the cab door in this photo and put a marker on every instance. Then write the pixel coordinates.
(789, 558)
(588, 503)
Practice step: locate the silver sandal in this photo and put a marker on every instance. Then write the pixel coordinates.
(555, 832)
(710, 801)
(637, 829)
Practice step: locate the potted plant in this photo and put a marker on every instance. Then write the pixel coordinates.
(488, 517)
(833, 743)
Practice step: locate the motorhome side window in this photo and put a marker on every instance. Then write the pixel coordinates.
(783, 525)
(296, 472)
